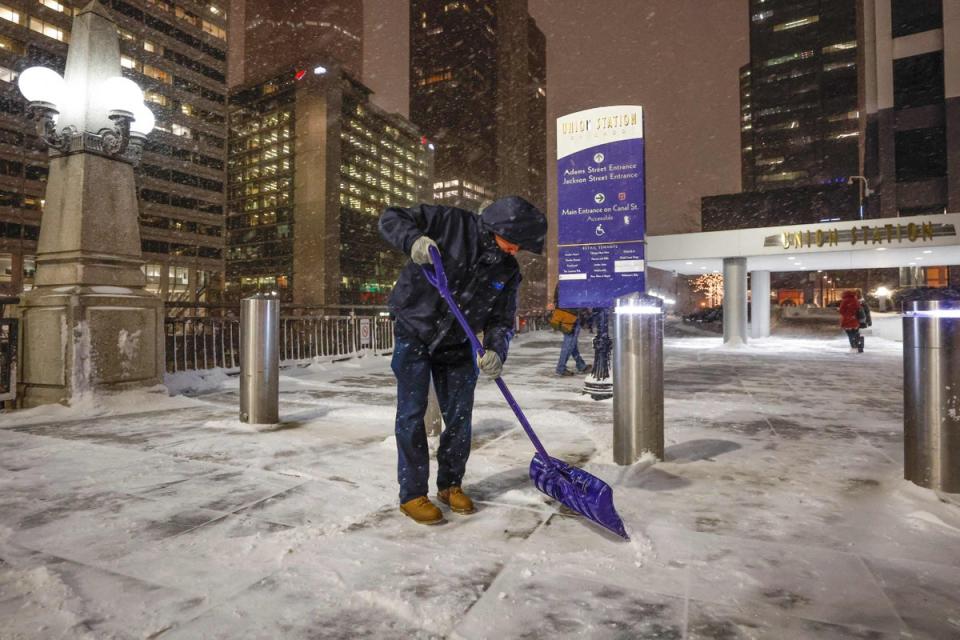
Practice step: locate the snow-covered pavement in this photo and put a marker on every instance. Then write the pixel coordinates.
(779, 513)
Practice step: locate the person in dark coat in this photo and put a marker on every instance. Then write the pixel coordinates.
(850, 318)
(484, 278)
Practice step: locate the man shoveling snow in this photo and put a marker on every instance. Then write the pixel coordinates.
(484, 277)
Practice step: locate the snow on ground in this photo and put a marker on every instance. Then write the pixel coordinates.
(779, 512)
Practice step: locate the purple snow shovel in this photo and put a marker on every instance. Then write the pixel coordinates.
(576, 489)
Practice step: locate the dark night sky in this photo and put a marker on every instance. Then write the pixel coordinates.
(677, 58)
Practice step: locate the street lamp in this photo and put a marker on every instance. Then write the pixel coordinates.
(89, 324)
(864, 190)
(119, 98)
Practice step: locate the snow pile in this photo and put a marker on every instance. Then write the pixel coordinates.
(97, 404)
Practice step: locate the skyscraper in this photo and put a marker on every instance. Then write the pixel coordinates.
(176, 51)
(912, 103)
(267, 33)
(313, 163)
(478, 91)
(799, 94)
(477, 86)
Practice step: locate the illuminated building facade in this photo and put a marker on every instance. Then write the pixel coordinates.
(176, 51)
(313, 163)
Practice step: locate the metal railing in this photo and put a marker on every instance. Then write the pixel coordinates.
(8, 359)
(209, 342)
(197, 343)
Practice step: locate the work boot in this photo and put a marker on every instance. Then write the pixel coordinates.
(586, 369)
(861, 344)
(565, 373)
(459, 501)
(422, 511)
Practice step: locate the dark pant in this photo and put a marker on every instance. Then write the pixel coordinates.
(454, 375)
(856, 340)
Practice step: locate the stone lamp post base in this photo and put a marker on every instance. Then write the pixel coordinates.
(96, 339)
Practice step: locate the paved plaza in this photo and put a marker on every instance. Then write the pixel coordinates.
(779, 512)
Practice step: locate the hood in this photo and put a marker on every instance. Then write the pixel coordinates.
(518, 221)
(849, 294)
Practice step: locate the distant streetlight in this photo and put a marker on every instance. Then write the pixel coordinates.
(883, 295)
(864, 190)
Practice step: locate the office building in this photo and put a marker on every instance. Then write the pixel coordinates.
(799, 94)
(265, 34)
(912, 104)
(312, 165)
(478, 90)
(176, 51)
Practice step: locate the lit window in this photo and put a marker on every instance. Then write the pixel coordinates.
(186, 16)
(53, 4)
(7, 75)
(156, 98)
(48, 29)
(834, 66)
(761, 16)
(6, 13)
(152, 47)
(788, 58)
(157, 74)
(214, 30)
(793, 24)
(129, 63)
(178, 130)
(840, 46)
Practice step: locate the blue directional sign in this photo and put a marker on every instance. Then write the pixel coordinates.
(601, 205)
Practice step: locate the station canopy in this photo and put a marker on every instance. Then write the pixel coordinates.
(880, 243)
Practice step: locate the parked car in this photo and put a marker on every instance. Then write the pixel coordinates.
(712, 314)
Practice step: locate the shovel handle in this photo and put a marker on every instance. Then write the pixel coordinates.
(438, 278)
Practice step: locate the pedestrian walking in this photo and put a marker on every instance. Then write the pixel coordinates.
(478, 256)
(851, 318)
(569, 322)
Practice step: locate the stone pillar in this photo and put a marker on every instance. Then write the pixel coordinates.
(89, 325)
(759, 304)
(734, 301)
(912, 277)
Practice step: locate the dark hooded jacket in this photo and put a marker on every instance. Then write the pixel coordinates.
(484, 279)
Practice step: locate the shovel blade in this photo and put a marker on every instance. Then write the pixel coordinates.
(579, 491)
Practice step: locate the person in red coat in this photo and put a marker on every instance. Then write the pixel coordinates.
(850, 314)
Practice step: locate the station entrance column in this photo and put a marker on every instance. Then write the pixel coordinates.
(759, 304)
(734, 300)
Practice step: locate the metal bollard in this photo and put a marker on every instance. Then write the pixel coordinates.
(260, 359)
(931, 394)
(637, 378)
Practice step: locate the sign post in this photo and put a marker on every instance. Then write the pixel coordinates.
(364, 333)
(601, 203)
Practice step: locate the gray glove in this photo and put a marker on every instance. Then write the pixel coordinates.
(490, 364)
(420, 251)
